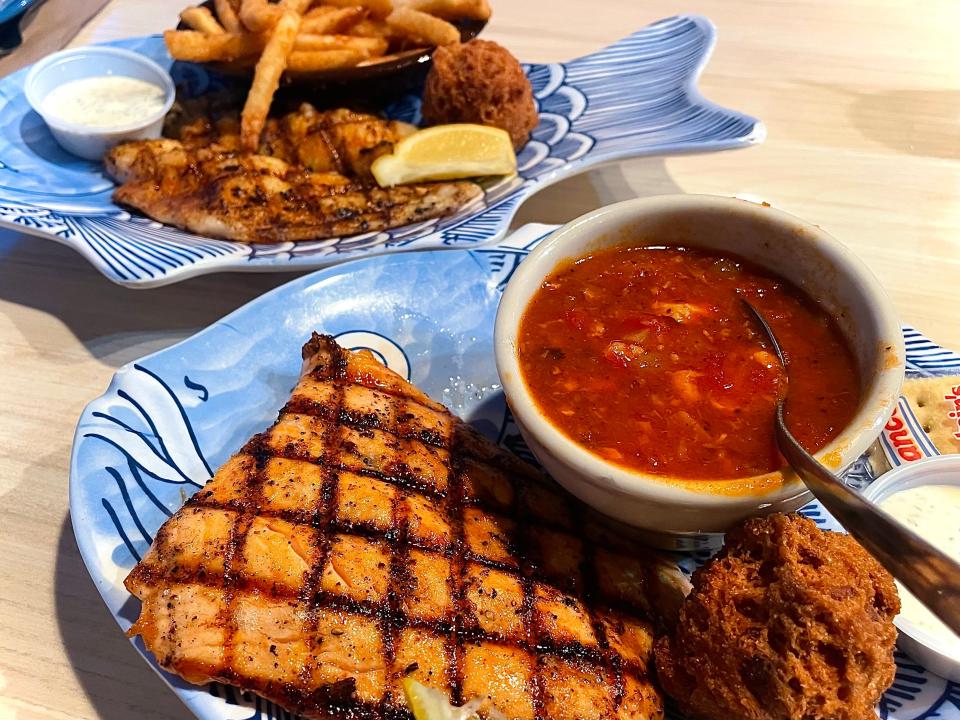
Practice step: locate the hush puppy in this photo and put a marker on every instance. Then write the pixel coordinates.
(480, 82)
(787, 622)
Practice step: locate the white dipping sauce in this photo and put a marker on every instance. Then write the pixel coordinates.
(105, 101)
(933, 512)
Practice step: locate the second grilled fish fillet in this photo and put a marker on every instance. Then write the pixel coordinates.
(370, 535)
(340, 140)
(258, 198)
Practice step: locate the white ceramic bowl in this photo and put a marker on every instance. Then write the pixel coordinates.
(675, 512)
(68, 65)
(932, 651)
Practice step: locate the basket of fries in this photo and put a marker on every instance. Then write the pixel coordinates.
(322, 40)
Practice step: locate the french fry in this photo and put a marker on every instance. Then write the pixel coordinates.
(307, 42)
(259, 15)
(376, 8)
(201, 19)
(392, 56)
(266, 76)
(325, 20)
(452, 9)
(372, 29)
(227, 15)
(313, 61)
(274, 36)
(195, 46)
(422, 27)
(317, 11)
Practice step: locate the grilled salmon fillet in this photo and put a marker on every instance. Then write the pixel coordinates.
(309, 180)
(370, 535)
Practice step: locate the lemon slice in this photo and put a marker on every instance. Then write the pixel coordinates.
(447, 152)
(428, 703)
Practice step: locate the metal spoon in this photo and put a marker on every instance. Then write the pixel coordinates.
(926, 571)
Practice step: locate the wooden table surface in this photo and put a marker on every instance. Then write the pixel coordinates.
(862, 104)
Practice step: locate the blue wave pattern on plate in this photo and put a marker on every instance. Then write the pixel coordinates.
(636, 97)
(166, 421)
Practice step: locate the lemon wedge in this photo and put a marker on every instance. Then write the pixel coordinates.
(428, 703)
(447, 152)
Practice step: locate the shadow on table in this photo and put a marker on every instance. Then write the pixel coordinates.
(916, 122)
(582, 193)
(117, 325)
(114, 323)
(922, 123)
(116, 680)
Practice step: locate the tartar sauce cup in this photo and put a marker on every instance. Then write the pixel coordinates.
(91, 141)
(937, 652)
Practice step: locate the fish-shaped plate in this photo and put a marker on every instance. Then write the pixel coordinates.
(169, 420)
(637, 97)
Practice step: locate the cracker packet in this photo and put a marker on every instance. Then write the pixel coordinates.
(925, 422)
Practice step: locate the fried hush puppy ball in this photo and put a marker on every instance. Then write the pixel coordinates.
(787, 622)
(480, 82)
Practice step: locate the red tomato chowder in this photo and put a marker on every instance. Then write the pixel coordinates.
(647, 358)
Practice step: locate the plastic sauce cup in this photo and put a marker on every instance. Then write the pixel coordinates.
(68, 65)
(931, 651)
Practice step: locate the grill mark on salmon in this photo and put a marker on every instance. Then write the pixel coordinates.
(325, 591)
(533, 632)
(392, 610)
(454, 650)
(334, 370)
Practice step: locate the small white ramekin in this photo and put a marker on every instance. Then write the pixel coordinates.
(916, 642)
(679, 513)
(67, 65)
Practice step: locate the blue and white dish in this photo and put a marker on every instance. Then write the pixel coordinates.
(167, 421)
(636, 97)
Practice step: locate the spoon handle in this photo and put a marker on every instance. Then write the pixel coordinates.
(925, 570)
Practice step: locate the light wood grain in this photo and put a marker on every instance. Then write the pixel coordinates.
(862, 104)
